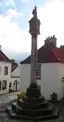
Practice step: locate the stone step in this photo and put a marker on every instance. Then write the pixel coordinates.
(33, 99)
(33, 112)
(41, 117)
(43, 104)
(48, 117)
(33, 91)
(9, 111)
(14, 115)
(14, 104)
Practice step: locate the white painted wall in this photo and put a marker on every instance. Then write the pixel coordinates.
(16, 72)
(24, 76)
(15, 76)
(18, 83)
(50, 78)
(5, 77)
(61, 74)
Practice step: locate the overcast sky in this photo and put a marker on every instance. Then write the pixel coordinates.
(14, 16)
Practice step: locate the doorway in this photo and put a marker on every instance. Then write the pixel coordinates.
(15, 85)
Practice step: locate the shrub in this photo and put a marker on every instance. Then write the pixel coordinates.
(54, 97)
(21, 95)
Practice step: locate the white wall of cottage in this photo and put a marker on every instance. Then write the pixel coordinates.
(51, 75)
(15, 76)
(5, 77)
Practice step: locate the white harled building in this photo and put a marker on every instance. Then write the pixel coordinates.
(15, 78)
(9, 75)
(50, 69)
(5, 73)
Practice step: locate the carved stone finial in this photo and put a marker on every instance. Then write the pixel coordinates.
(35, 12)
(34, 24)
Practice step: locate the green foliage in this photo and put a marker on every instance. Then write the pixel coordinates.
(14, 62)
(21, 95)
(54, 97)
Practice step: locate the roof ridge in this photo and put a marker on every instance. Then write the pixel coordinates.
(30, 55)
(6, 56)
(45, 48)
(12, 69)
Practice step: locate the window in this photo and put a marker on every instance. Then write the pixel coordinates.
(38, 73)
(4, 84)
(62, 79)
(5, 70)
(0, 70)
(9, 84)
(15, 81)
(0, 85)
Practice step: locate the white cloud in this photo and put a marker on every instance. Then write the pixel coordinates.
(11, 2)
(12, 37)
(24, 1)
(13, 13)
(1, 3)
(15, 39)
(52, 20)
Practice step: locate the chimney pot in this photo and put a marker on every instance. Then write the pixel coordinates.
(51, 40)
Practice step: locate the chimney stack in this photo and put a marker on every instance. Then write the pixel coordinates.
(51, 41)
(61, 46)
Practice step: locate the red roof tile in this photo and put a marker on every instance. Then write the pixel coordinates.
(13, 67)
(59, 52)
(47, 54)
(3, 57)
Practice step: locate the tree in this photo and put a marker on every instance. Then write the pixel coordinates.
(14, 62)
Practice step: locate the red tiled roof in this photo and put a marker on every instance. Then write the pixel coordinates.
(13, 67)
(59, 52)
(3, 57)
(47, 54)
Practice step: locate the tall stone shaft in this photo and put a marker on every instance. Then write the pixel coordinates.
(34, 30)
(33, 59)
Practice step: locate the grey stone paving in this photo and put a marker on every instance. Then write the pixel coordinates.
(13, 120)
(9, 120)
(6, 98)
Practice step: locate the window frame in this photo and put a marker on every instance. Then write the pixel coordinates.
(38, 71)
(4, 87)
(6, 72)
(10, 85)
(0, 69)
(0, 85)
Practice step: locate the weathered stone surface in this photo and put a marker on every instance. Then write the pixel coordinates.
(33, 108)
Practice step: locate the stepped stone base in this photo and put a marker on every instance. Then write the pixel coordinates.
(33, 106)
